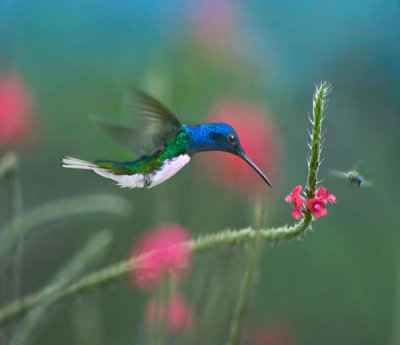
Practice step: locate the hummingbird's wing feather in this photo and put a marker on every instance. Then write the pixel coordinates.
(157, 123)
(365, 184)
(126, 136)
(357, 165)
(338, 173)
(152, 124)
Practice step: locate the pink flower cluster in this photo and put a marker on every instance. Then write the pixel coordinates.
(316, 205)
(179, 314)
(163, 252)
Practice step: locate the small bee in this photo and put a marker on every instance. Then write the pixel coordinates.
(353, 177)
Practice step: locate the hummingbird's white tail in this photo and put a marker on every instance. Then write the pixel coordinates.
(75, 163)
(131, 181)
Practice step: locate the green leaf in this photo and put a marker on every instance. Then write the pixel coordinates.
(58, 209)
(91, 250)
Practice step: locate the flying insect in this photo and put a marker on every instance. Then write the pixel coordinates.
(353, 176)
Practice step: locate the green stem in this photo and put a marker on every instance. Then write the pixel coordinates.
(313, 165)
(91, 251)
(314, 159)
(247, 283)
(8, 161)
(109, 274)
(14, 210)
(57, 209)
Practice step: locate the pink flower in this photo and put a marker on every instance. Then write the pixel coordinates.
(298, 201)
(214, 24)
(323, 194)
(179, 316)
(298, 207)
(258, 137)
(295, 193)
(317, 207)
(15, 111)
(163, 251)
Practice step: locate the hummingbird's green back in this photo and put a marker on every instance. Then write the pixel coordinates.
(149, 163)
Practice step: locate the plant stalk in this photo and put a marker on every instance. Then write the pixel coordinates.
(117, 271)
(14, 197)
(235, 334)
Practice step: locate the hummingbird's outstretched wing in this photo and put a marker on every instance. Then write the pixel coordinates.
(126, 136)
(152, 123)
(365, 184)
(339, 173)
(156, 122)
(357, 165)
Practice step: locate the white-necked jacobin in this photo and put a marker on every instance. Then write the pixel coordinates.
(173, 144)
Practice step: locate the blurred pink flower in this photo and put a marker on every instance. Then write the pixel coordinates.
(298, 201)
(15, 111)
(258, 137)
(214, 23)
(317, 207)
(323, 194)
(179, 316)
(164, 252)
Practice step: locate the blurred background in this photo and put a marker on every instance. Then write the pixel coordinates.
(254, 65)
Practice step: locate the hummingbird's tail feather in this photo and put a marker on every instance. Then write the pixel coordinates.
(75, 163)
(105, 169)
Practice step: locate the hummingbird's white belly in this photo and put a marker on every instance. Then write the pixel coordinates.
(128, 181)
(169, 168)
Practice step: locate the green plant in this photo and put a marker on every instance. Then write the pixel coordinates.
(32, 307)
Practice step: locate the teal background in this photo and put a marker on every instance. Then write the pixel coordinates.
(340, 283)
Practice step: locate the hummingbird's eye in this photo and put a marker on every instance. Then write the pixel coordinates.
(232, 139)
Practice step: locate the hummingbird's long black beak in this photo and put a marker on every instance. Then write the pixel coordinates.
(255, 167)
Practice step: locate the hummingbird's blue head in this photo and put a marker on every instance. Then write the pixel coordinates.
(219, 137)
(214, 137)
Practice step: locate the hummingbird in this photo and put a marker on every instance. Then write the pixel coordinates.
(353, 176)
(163, 144)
